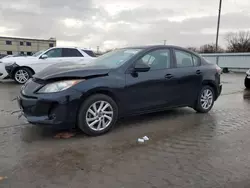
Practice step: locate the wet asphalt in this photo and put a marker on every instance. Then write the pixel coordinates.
(185, 149)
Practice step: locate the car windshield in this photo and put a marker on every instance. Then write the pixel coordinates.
(116, 58)
(37, 53)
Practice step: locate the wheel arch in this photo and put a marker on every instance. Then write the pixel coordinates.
(19, 67)
(103, 91)
(212, 85)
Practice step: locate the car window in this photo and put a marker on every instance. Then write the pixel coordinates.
(158, 59)
(90, 53)
(53, 53)
(69, 52)
(196, 60)
(183, 59)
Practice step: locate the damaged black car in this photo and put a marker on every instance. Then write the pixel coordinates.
(123, 82)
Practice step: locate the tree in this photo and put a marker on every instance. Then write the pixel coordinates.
(194, 49)
(238, 41)
(210, 48)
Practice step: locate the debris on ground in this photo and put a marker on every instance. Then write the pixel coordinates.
(140, 140)
(143, 139)
(64, 135)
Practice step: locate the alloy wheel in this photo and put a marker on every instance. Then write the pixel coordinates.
(21, 76)
(99, 115)
(206, 99)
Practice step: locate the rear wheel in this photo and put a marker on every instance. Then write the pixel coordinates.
(247, 83)
(97, 115)
(22, 75)
(205, 100)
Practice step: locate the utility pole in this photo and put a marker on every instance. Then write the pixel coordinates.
(164, 42)
(218, 26)
(218, 30)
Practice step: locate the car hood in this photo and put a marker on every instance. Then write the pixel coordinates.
(17, 59)
(71, 70)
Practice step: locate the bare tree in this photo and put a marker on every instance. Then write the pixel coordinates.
(194, 49)
(238, 41)
(210, 48)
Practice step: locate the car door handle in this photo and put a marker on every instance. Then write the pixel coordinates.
(198, 72)
(168, 76)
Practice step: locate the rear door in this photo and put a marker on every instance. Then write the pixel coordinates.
(189, 74)
(72, 55)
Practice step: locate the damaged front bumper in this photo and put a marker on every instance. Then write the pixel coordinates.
(10, 69)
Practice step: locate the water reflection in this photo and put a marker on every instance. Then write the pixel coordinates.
(246, 94)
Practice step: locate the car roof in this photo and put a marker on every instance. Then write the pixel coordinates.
(151, 47)
(154, 46)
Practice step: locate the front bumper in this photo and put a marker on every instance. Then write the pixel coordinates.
(3, 73)
(10, 69)
(51, 109)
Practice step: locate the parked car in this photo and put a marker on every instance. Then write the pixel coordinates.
(22, 68)
(3, 55)
(247, 79)
(123, 82)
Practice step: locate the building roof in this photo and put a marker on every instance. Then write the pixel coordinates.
(19, 38)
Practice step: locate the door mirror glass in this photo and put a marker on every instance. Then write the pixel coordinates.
(140, 66)
(44, 56)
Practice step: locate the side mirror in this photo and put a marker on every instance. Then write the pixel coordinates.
(141, 67)
(44, 56)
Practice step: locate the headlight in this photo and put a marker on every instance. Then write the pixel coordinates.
(58, 86)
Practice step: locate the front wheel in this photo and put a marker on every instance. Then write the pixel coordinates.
(247, 83)
(22, 75)
(205, 100)
(97, 115)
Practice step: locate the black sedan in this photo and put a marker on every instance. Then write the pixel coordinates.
(123, 82)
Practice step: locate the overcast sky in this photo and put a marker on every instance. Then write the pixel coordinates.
(116, 23)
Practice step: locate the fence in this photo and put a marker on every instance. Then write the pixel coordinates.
(239, 62)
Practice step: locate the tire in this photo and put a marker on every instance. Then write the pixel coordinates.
(200, 108)
(21, 79)
(86, 118)
(247, 83)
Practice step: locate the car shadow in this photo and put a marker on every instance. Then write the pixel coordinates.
(156, 124)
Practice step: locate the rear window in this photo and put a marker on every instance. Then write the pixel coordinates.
(90, 53)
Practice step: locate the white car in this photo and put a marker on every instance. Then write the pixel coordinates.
(247, 79)
(22, 68)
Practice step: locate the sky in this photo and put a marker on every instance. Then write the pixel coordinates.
(117, 23)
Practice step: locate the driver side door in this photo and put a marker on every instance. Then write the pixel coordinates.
(149, 90)
(53, 56)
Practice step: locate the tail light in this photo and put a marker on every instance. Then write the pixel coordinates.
(218, 69)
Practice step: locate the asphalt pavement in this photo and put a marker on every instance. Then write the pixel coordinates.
(185, 149)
